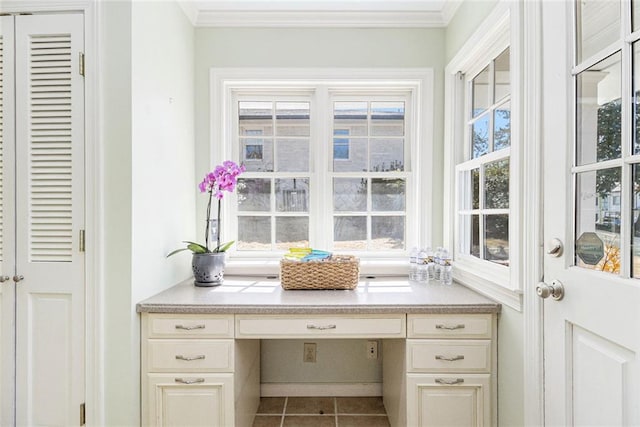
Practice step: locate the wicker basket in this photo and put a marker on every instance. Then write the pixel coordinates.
(338, 272)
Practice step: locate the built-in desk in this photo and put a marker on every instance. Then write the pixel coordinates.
(201, 347)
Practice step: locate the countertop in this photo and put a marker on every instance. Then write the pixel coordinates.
(259, 295)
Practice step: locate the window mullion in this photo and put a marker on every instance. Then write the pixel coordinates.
(626, 193)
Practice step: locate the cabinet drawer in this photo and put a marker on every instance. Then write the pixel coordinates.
(190, 355)
(449, 356)
(185, 325)
(382, 326)
(449, 326)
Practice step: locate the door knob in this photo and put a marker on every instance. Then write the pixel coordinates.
(18, 278)
(555, 290)
(4, 278)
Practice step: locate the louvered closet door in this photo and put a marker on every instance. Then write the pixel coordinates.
(7, 220)
(49, 208)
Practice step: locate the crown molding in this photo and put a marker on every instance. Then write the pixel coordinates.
(318, 19)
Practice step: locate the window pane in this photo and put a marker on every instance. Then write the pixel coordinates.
(350, 232)
(350, 118)
(496, 239)
(292, 155)
(292, 195)
(480, 135)
(635, 14)
(598, 112)
(598, 25)
(635, 237)
(502, 127)
(502, 76)
(292, 119)
(254, 195)
(475, 235)
(496, 185)
(388, 194)
(387, 232)
(350, 155)
(598, 219)
(387, 118)
(636, 95)
(292, 232)
(387, 155)
(350, 194)
(475, 189)
(255, 118)
(257, 154)
(254, 233)
(480, 88)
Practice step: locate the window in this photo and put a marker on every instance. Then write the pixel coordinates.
(331, 164)
(483, 178)
(486, 179)
(606, 167)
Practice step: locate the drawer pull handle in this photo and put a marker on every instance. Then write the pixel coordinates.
(449, 381)
(189, 328)
(189, 380)
(449, 358)
(321, 327)
(189, 358)
(450, 327)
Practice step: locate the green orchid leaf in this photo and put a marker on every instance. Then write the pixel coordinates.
(225, 246)
(176, 251)
(196, 248)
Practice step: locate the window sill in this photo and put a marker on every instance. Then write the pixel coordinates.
(271, 267)
(482, 281)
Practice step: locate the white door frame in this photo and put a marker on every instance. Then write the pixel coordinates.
(94, 327)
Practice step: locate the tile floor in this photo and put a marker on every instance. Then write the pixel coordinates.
(321, 412)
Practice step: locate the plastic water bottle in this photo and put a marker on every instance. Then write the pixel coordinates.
(446, 274)
(413, 264)
(423, 276)
(430, 265)
(437, 266)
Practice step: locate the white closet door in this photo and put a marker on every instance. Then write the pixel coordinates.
(50, 215)
(7, 223)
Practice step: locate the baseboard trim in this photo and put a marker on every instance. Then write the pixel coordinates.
(320, 389)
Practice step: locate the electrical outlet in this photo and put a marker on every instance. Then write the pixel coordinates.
(372, 349)
(309, 352)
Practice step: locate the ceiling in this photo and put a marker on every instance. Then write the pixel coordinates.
(320, 13)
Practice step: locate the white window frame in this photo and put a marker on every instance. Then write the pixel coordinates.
(225, 82)
(498, 32)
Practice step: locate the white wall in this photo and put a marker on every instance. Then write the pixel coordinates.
(511, 322)
(318, 48)
(147, 90)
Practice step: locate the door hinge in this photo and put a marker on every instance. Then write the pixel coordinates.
(83, 418)
(81, 64)
(81, 246)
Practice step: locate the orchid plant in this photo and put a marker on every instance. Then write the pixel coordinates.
(223, 178)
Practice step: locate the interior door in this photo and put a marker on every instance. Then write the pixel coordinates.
(43, 213)
(591, 330)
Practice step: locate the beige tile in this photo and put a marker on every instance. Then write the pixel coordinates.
(362, 421)
(271, 405)
(267, 421)
(310, 405)
(360, 405)
(311, 421)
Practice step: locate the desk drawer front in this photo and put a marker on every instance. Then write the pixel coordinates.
(186, 326)
(449, 326)
(449, 356)
(392, 326)
(190, 355)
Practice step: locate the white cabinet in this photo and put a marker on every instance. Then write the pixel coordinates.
(195, 374)
(450, 362)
